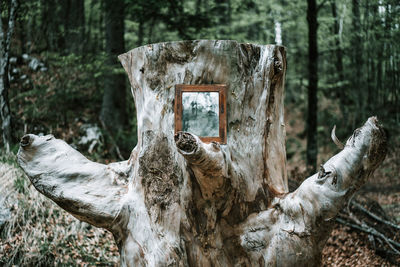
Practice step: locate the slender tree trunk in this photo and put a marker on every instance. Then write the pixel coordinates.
(52, 19)
(75, 26)
(21, 29)
(5, 41)
(367, 31)
(278, 32)
(223, 15)
(140, 32)
(113, 110)
(357, 63)
(198, 7)
(101, 26)
(89, 40)
(179, 201)
(4, 105)
(338, 54)
(390, 85)
(49, 23)
(312, 147)
(151, 28)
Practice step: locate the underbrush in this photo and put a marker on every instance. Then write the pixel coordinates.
(39, 233)
(63, 98)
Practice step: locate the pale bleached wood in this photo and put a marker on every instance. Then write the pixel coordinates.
(197, 204)
(90, 191)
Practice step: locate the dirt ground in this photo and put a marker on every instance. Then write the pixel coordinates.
(345, 247)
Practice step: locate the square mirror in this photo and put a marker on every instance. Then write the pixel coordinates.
(201, 110)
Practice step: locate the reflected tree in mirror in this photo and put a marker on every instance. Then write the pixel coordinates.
(200, 113)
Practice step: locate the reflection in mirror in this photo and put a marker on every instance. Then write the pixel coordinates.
(200, 113)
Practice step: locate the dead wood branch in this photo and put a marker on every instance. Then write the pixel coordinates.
(207, 162)
(90, 191)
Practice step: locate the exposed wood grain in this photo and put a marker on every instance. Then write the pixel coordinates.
(179, 201)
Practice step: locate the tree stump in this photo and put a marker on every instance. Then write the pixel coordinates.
(179, 201)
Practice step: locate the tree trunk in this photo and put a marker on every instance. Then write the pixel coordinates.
(312, 147)
(357, 86)
(179, 201)
(53, 16)
(113, 111)
(223, 14)
(338, 55)
(140, 32)
(5, 41)
(75, 26)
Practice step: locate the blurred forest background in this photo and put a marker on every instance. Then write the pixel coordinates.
(60, 74)
(64, 71)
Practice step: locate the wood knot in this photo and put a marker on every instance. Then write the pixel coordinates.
(185, 141)
(278, 66)
(25, 140)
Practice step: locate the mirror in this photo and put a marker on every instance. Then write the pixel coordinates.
(200, 113)
(201, 110)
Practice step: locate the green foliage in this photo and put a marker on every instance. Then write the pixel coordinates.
(66, 93)
(351, 87)
(19, 184)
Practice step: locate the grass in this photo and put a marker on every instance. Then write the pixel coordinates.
(39, 233)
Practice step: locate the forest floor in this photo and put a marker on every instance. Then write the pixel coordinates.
(346, 247)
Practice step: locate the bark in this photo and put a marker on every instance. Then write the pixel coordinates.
(5, 41)
(181, 202)
(338, 51)
(357, 62)
(341, 92)
(51, 21)
(223, 14)
(312, 146)
(75, 26)
(90, 25)
(113, 111)
(278, 32)
(140, 32)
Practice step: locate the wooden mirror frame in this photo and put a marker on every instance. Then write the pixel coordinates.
(221, 89)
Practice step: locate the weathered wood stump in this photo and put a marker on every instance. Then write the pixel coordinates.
(181, 202)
